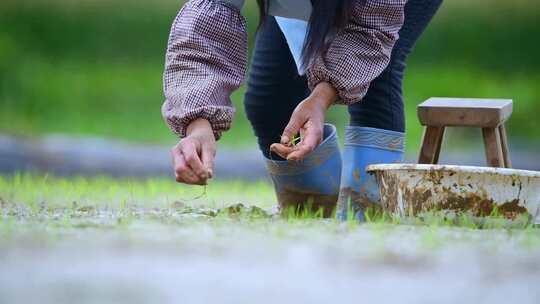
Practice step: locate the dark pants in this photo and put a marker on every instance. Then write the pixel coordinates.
(275, 89)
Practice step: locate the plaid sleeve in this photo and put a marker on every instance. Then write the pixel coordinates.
(361, 51)
(205, 62)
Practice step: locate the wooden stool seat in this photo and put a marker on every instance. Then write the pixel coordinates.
(489, 114)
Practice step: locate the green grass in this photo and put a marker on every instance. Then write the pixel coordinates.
(94, 68)
(100, 192)
(31, 197)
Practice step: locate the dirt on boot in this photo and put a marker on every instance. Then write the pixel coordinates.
(303, 202)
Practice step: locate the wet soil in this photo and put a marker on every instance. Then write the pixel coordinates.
(170, 257)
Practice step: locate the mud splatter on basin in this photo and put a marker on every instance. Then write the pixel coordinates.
(408, 189)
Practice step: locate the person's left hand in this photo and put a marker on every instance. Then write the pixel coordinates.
(308, 120)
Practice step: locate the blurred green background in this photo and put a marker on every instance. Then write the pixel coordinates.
(93, 67)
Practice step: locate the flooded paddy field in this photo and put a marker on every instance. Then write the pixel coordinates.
(102, 240)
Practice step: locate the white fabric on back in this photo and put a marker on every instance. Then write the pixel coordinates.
(295, 32)
(292, 17)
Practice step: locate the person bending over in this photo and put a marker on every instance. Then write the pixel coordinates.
(309, 55)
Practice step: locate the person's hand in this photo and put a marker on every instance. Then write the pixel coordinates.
(308, 120)
(193, 156)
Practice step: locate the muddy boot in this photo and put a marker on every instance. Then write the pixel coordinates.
(363, 147)
(312, 184)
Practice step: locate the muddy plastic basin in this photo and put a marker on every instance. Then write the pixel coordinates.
(408, 189)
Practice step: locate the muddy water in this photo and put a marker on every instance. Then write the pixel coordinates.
(171, 257)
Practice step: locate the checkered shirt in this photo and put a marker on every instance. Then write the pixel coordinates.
(206, 59)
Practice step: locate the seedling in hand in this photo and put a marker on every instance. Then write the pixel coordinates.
(295, 141)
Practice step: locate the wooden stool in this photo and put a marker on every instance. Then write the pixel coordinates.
(489, 114)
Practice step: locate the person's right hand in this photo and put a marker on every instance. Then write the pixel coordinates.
(193, 156)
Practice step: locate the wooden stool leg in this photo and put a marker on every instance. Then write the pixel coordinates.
(431, 145)
(439, 145)
(492, 142)
(504, 144)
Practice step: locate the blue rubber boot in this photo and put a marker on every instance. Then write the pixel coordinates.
(363, 147)
(311, 184)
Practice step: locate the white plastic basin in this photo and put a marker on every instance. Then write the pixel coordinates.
(408, 189)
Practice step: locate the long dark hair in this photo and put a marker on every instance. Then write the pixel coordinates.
(328, 18)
